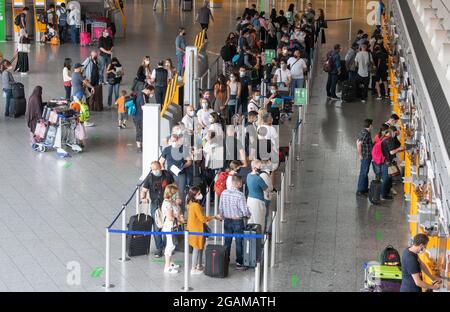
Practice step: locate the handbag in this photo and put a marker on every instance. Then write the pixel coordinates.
(206, 228)
(80, 132)
(393, 170)
(23, 47)
(177, 228)
(40, 131)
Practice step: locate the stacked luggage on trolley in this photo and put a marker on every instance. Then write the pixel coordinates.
(93, 28)
(57, 130)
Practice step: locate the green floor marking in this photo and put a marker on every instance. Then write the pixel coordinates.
(163, 261)
(67, 165)
(294, 280)
(378, 235)
(377, 216)
(97, 272)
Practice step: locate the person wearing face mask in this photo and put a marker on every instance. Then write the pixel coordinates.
(246, 90)
(255, 200)
(143, 75)
(283, 77)
(160, 78)
(215, 125)
(91, 69)
(178, 160)
(204, 113)
(203, 17)
(298, 38)
(220, 95)
(7, 82)
(171, 70)
(253, 105)
(189, 119)
(389, 147)
(114, 74)
(196, 223)
(152, 193)
(180, 50)
(141, 98)
(298, 68)
(364, 146)
(234, 93)
(413, 268)
(173, 217)
(106, 46)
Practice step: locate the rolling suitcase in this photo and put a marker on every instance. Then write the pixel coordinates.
(375, 192)
(252, 246)
(139, 244)
(18, 107)
(187, 5)
(85, 36)
(18, 91)
(96, 100)
(382, 278)
(348, 91)
(217, 261)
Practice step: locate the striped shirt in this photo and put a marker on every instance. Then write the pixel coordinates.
(233, 204)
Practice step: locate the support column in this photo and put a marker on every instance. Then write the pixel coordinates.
(150, 136)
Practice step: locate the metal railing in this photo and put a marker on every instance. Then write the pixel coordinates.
(170, 93)
(207, 80)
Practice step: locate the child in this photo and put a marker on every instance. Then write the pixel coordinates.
(122, 116)
(79, 106)
(49, 34)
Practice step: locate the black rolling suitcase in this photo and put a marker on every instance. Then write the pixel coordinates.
(348, 91)
(18, 107)
(217, 261)
(138, 244)
(375, 192)
(252, 246)
(18, 90)
(96, 99)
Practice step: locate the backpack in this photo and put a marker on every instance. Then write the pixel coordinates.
(159, 218)
(130, 106)
(390, 256)
(17, 19)
(377, 153)
(225, 53)
(328, 65)
(62, 20)
(221, 184)
(84, 112)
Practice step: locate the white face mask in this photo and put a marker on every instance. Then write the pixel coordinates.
(242, 74)
(273, 91)
(205, 105)
(233, 79)
(174, 144)
(211, 120)
(105, 34)
(191, 113)
(257, 98)
(199, 197)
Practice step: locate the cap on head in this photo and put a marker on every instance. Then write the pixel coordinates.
(79, 95)
(77, 65)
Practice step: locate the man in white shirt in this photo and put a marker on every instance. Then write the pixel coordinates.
(74, 21)
(363, 61)
(283, 77)
(189, 119)
(298, 68)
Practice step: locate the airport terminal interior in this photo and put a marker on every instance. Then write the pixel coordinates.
(55, 211)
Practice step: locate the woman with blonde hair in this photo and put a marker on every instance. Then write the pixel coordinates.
(172, 216)
(171, 70)
(143, 75)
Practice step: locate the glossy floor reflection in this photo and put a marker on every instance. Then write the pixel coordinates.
(53, 211)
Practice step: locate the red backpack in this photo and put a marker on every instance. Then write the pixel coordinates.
(377, 153)
(221, 184)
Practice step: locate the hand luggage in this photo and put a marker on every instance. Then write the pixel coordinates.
(348, 91)
(187, 5)
(18, 91)
(382, 278)
(252, 246)
(217, 261)
(18, 107)
(97, 31)
(96, 99)
(375, 192)
(85, 36)
(139, 244)
(50, 136)
(390, 256)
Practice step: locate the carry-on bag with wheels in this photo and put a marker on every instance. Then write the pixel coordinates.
(96, 99)
(382, 278)
(186, 5)
(139, 244)
(348, 91)
(375, 192)
(18, 107)
(252, 246)
(217, 261)
(85, 36)
(18, 90)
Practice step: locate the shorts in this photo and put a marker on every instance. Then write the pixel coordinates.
(122, 116)
(381, 75)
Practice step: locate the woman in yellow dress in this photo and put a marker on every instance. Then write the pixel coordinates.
(195, 223)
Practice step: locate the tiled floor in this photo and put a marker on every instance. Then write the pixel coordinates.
(54, 211)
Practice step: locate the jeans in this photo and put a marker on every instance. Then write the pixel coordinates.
(159, 239)
(180, 181)
(364, 81)
(62, 33)
(235, 227)
(180, 58)
(9, 96)
(68, 92)
(160, 94)
(386, 179)
(352, 75)
(363, 181)
(297, 83)
(197, 256)
(113, 88)
(377, 170)
(331, 85)
(74, 34)
(104, 62)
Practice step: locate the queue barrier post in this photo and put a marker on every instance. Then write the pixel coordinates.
(208, 81)
(291, 144)
(137, 200)
(278, 218)
(107, 284)
(216, 212)
(266, 263)
(257, 277)
(124, 257)
(208, 201)
(300, 122)
(186, 287)
(272, 239)
(292, 152)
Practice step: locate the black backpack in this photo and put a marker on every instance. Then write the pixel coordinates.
(17, 19)
(225, 53)
(390, 256)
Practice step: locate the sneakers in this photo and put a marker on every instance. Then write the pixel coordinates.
(158, 254)
(363, 101)
(124, 126)
(88, 124)
(174, 266)
(394, 192)
(335, 98)
(379, 98)
(196, 271)
(170, 270)
(240, 267)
